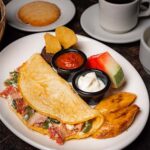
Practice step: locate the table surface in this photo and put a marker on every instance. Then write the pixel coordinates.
(130, 51)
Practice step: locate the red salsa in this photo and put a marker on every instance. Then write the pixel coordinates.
(70, 60)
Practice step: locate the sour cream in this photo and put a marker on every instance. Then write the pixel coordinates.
(90, 83)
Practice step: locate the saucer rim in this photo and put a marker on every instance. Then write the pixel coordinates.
(105, 39)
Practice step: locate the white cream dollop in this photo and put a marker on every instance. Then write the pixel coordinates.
(90, 83)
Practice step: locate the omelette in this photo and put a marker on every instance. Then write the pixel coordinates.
(46, 103)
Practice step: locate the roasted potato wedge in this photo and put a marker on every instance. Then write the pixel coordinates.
(119, 114)
(117, 122)
(52, 44)
(66, 36)
(116, 102)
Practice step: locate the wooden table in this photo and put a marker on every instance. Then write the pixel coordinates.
(10, 141)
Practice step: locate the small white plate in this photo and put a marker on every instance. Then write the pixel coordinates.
(90, 22)
(67, 13)
(19, 51)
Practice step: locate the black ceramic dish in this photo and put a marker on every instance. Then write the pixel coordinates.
(66, 73)
(92, 98)
(46, 56)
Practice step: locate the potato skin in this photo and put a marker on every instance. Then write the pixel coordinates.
(119, 113)
(52, 44)
(66, 36)
(117, 122)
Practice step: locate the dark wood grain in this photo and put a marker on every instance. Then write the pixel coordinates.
(9, 141)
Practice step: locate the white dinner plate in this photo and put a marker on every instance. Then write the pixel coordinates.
(92, 27)
(67, 9)
(19, 51)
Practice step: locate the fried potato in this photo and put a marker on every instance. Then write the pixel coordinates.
(116, 102)
(117, 122)
(119, 114)
(52, 43)
(66, 36)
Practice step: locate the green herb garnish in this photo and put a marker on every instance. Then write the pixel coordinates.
(87, 126)
(13, 78)
(14, 105)
(29, 112)
(54, 121)
(48, 121)
(46, 124)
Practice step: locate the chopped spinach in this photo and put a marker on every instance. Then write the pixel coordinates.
(48, 121)
(28, 112)
(14, 105)
(13, 78)
(54, 121)
(87, 126)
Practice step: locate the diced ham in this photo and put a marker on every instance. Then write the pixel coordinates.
(12, 92)
(63, 130)
(55, 134)
(59, 132)
(37, 118)
(59, 140)
(78, 127)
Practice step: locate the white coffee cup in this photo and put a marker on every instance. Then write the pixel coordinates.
(123, 17)
(144, 53)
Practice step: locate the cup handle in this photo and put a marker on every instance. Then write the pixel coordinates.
(145, 13)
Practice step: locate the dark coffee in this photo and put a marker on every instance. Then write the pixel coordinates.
(120, 1)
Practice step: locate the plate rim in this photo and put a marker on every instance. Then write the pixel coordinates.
(37, 145)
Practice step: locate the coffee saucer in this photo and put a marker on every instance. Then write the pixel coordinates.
(90, 23)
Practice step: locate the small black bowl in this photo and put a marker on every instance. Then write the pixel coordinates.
(66, 73)
(92, 98)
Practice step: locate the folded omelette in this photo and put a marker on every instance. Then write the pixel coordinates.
(46, 103)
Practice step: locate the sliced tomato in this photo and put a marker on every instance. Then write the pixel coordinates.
(7, 91)
(12, 92)
(20, 105)
(59, 140)
(56, 135)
